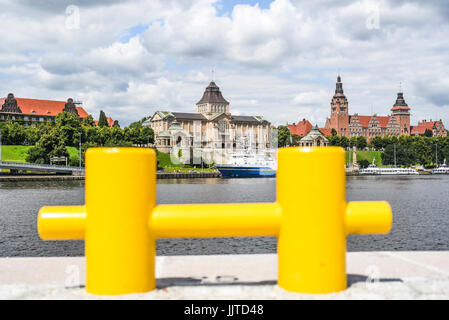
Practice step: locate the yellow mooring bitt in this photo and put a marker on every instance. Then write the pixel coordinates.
(120, 221)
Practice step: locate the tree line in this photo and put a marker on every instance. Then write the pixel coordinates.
(286, 139)
(403, 150)
(68, 130)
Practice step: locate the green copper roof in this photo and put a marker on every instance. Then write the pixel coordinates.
(313, 135)
(164, 134)
(162, 114)
(260, 118)
(175, 125)
(216, 116)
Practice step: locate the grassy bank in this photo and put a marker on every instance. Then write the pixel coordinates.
(19, 153)
(15, 153)
(366, 155)
(165, 162)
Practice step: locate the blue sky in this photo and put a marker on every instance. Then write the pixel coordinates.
(278, 59)
(226, 6)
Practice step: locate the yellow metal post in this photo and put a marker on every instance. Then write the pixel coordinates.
(120, 196)
(312, 239)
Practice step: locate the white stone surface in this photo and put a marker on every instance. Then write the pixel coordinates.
(371, 275)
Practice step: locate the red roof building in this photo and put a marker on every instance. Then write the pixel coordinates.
(111, 123)
(36, 110)
(29, 111)
(302, 128)
(436, 127)
(326, 132)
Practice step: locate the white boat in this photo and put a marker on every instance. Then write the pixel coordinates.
(248, 166)
(443, 169)
(372, 169)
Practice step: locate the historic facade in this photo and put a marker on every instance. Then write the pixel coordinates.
(211, 128)
(370, 126)
(32, 111)
(436, 127)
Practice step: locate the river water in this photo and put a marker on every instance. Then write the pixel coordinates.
(420, 208)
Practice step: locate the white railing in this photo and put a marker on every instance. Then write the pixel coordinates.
(9, 164)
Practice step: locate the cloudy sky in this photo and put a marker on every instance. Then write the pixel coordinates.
(278, 59)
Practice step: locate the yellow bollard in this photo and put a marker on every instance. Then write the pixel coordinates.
(120, 196)
(121, 222)
(312, 239)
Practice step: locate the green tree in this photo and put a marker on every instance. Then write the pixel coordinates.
(146, 135)
(295, 140)
(428, 133)
(91, 134)
(363, 163)
(405, 156)
(353, 141)
(104, 135)
(283, 136)
(69, 128)
(361, 143)
(116, 136)
(344, 142)
(333, 132)
(424, 151)
(88, 121)
(377, 143)
(133, 134)
(49, 145)
(15, 134)
(102, 120)
(32, 135)
(340, 141)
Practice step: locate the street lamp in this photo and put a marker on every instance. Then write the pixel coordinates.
(436, 155)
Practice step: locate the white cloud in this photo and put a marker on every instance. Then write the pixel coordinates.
(279, 62)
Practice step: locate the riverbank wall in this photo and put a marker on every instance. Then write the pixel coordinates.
(49, 177)
(370, 275)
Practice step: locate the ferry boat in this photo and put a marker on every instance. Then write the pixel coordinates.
(372, 169)
(248, 166)
(443, 169)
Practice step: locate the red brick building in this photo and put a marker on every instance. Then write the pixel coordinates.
(436, 127)
(301, 128)
(370, 126)
(32, 111)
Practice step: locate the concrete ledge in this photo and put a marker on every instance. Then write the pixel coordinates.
(371, 275)
(40, 178)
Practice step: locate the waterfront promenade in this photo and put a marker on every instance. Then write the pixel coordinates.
(371, 275)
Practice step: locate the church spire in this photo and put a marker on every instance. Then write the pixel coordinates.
(339, 86)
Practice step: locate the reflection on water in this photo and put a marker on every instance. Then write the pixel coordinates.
(420, 207)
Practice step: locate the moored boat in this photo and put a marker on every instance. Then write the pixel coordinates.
(443, 169)
(248, 166)
(372, 169)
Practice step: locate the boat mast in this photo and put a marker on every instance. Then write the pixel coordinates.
(395, 154)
